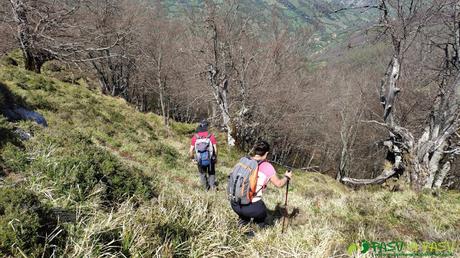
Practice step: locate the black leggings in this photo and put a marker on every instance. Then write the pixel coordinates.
(256, 210)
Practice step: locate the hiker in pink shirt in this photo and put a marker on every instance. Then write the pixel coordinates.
(256, 210)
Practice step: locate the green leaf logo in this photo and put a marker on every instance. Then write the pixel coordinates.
(353, 248)
(366, 247)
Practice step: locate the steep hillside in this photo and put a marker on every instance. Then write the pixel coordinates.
(105, 180)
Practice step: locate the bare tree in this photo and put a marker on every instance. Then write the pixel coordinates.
(350, 113)
(217, 55)
(6, 30)
(219, 68)
(43, 28)
(161, 41)
(424, 161)
(108, 34)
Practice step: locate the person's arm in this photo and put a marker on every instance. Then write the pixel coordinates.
(190, 152)
(280, 182)
(214, 144)
(215, 149)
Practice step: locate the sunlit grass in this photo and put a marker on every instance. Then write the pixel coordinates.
(182, 219)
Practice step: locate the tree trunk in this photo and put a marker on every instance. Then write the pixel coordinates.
(220, 91)
(161, 89)
(442, 175)
(457, 32)
(225, 111)
(33, 62)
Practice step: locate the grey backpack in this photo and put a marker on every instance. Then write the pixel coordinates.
(203, 150)
(242, 182)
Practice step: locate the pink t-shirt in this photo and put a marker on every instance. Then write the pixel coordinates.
(266, 171)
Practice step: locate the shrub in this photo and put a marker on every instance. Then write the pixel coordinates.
(2, 99)
(85, 169)
(17, 56)
(24, 224)
(14, 158)
(183, 128)
(6, 132)
(6, 60)
(40, 83)
(52, 66)
(169, 154)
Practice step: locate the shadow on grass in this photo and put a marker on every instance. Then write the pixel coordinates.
(279, 212)
(15, 109)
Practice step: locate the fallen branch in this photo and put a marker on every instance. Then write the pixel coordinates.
(378, 180)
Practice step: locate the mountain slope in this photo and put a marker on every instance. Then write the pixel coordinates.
(110, 181)
(328, 25)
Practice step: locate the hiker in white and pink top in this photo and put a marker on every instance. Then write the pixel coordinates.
(256, 210)
(266, 171)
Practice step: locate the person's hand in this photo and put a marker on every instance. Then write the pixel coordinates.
(288, 174)
(194, 161)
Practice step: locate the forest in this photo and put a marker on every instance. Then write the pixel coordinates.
(256, 79)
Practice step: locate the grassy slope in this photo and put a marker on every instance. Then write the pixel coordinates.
(185, 220)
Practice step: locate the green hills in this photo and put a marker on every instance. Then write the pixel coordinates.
(331, 21)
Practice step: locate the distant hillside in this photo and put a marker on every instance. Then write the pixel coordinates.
(329, 26)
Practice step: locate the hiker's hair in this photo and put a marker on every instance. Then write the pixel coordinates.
(260, 148)
(203, 126)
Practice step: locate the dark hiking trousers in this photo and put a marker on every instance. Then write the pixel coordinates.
(256, 211)
(208, 176)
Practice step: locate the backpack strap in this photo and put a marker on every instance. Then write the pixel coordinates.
(261, 161)
(258, 165)
(244, 166)
(197, 136)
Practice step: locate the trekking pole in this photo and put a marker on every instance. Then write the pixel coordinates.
(285, 204)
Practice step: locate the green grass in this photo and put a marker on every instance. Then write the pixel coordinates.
(130, 190)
